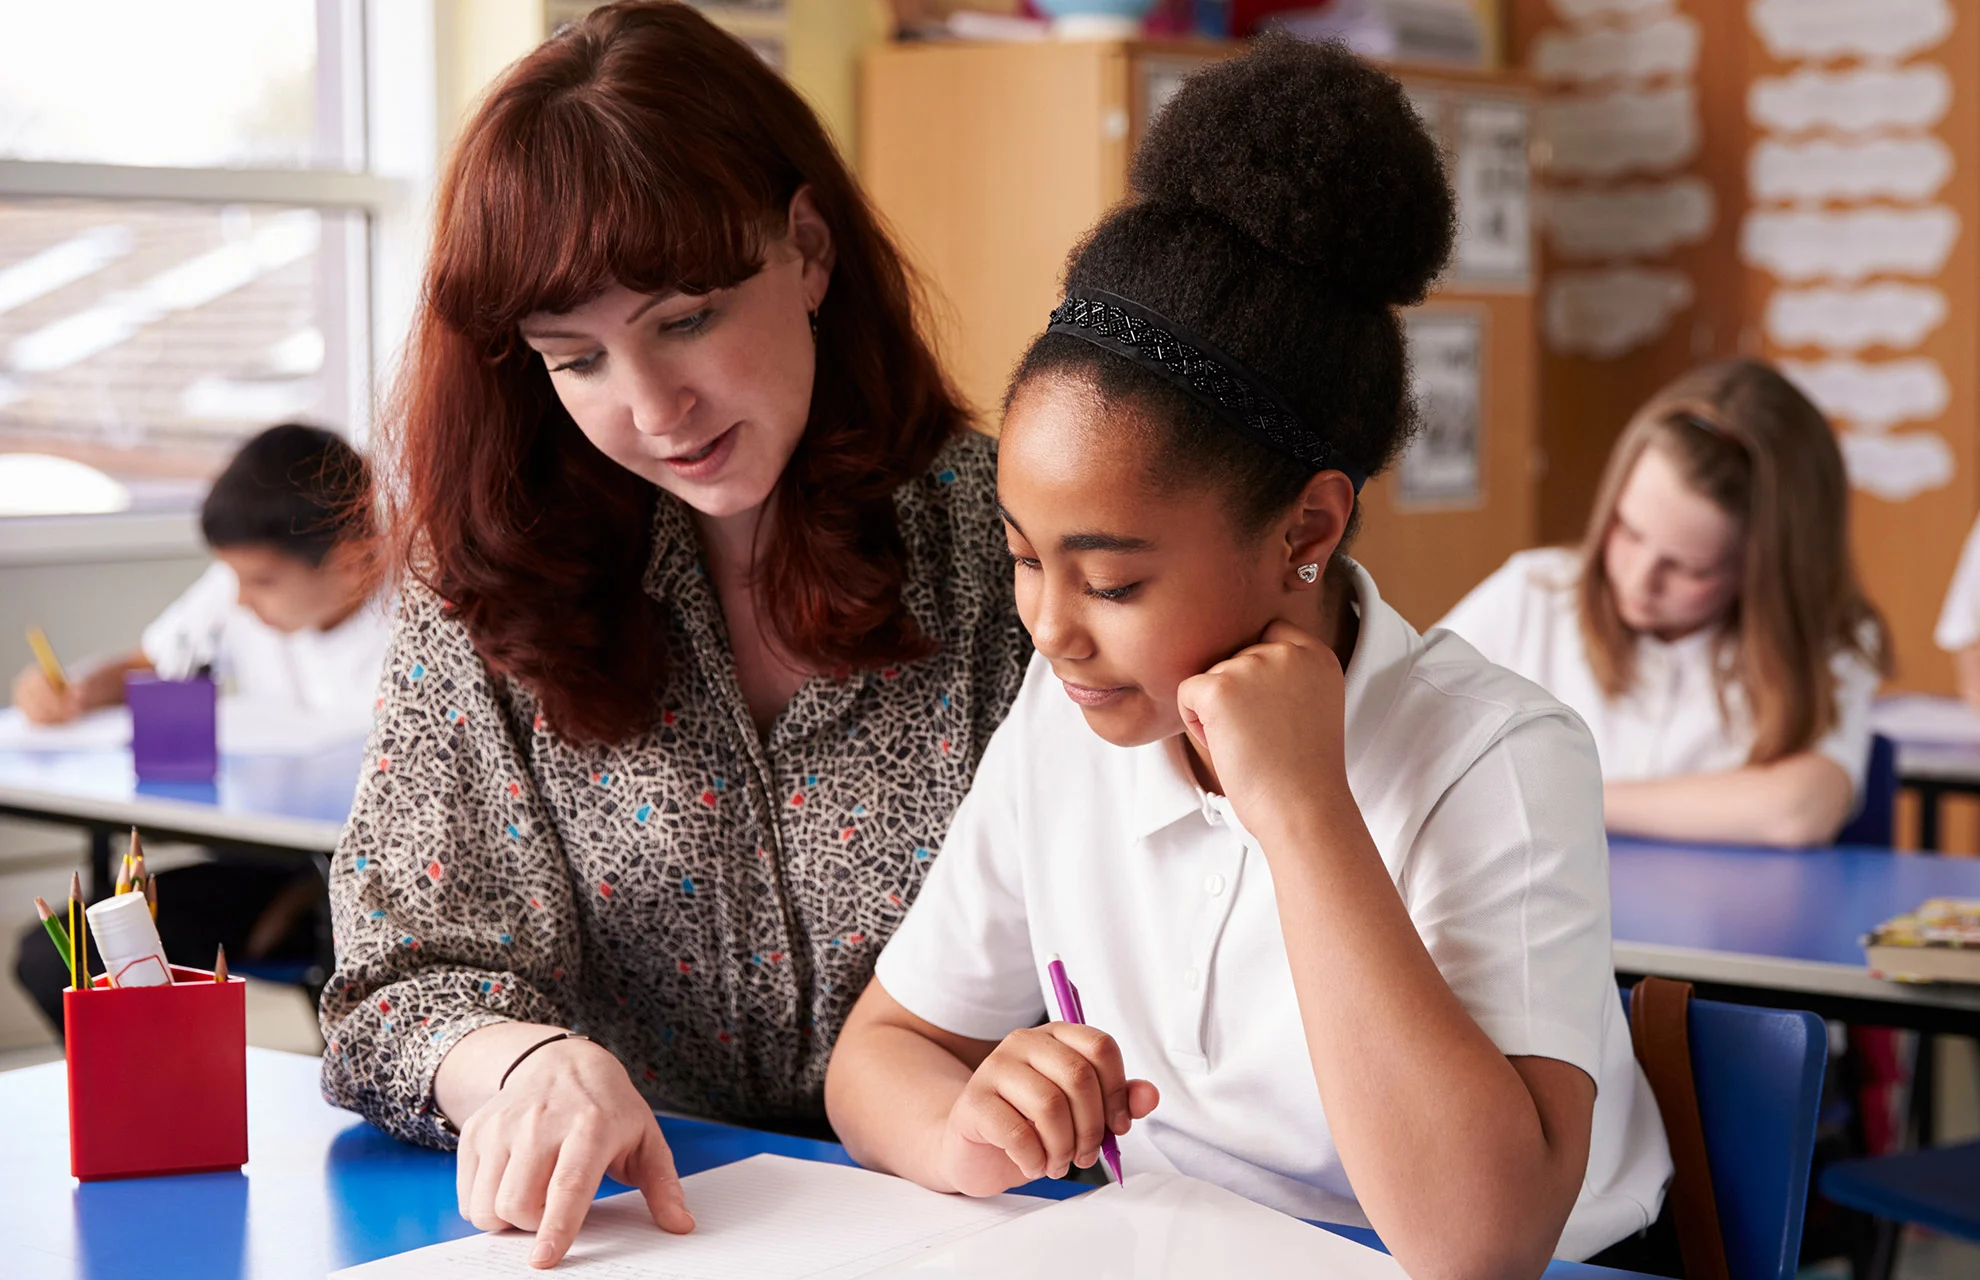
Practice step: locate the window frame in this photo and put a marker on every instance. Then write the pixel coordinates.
(377, 204)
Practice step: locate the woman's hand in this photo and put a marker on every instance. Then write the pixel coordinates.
(532, 1155)
(1039, 1104)
(41, 703)
(1270, 719)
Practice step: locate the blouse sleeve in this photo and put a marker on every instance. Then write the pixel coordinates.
(448, 891)
(1959, 620)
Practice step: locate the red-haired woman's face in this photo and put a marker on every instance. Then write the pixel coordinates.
(704, 395)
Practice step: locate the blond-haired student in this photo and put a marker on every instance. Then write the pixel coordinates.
(1709, 628)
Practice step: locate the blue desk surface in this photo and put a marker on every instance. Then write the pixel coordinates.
(1787, 919)
(322, 1190)
(292, 801)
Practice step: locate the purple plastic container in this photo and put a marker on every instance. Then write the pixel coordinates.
(173, 735)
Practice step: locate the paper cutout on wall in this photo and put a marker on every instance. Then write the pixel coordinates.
(1602, 135)
(1820, 30)
(1873, 396)
(1608, 311)
(1644, 219)
(1898, 466)
(1812, 244)
(1885, 314)
(1581, 12)
(1820, 169)
(1853, 101)
(1667, 46)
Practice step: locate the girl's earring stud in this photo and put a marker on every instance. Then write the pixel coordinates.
(1309, 572)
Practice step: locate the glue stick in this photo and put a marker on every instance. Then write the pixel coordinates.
(127, 940)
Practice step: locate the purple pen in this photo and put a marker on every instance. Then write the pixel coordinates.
(1070, 1010)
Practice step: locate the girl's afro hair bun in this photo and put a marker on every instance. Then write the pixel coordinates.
(1316, 155)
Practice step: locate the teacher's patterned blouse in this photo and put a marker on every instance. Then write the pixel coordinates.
(705, 903)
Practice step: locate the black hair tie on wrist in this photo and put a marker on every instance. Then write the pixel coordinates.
(561, 1035)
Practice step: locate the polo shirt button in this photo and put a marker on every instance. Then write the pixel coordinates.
(1192, 979)
(1213, 884)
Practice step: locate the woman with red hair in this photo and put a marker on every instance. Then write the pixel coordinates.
(706, 619)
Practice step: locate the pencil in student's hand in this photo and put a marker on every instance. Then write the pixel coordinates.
(56, 933)
(44, 653)
(220, 964)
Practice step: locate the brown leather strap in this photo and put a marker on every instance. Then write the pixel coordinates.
(1659, 1010)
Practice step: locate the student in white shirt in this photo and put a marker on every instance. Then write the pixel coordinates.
(1342, 937)
(1958, 632)
(1709, 628)
(284, 616)
(285, 619)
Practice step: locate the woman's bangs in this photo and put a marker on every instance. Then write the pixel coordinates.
(575, 215)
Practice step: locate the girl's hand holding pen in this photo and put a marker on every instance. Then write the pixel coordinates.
(1039, 1104)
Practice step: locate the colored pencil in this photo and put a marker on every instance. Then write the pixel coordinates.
(151, 896)
(124, 876)
(78, 939)
(220, 964)
(44, 653)
(56, 933)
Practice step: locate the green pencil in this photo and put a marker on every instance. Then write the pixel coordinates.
(56, 933)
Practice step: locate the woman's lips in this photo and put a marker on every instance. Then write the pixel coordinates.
(707, 460)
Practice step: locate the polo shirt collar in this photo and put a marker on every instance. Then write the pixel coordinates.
(1166, 792)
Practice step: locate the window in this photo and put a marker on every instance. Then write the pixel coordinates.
(186, 238)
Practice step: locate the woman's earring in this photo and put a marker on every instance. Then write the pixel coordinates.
(1309, 572)
(812, 317)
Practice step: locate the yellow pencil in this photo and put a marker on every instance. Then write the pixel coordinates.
(124, 876)
(78, 942)
(44, 653)
(220, 964)
(151, 896)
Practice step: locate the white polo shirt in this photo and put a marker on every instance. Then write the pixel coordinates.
(1482, 795)
(332, 674)
(1959, 620)
(1525, 617)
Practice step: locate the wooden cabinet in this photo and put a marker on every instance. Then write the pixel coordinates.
(990, 161)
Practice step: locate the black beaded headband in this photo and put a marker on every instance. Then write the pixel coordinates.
(1213, 379)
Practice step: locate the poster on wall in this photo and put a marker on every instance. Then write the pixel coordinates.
(1442, 466)
(1494, 239)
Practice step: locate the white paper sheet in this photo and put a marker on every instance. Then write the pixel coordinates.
(1666, 46)
(1606, 312)
(1156, 1226)
(1602, 135)
(1873, 394)
(1821, 30)
(1638, 219)
(1897, 465)
(1848, 244)
(1938, 721)
(1914, 168)
(244, 728)
(1845, 320)
(1856, 100)
(767, 1217)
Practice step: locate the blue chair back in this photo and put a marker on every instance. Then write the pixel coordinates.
(1875, 822)
(1759, 1078)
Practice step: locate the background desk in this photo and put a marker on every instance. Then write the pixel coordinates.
(1783, 927)
(1938, 752)
(321, 1190)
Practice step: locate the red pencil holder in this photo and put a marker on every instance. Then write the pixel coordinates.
(157, 1077)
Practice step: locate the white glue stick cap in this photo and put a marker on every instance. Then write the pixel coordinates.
(128, 941)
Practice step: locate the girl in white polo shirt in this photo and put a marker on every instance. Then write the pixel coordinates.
(1709, 628)
(1341, 937)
